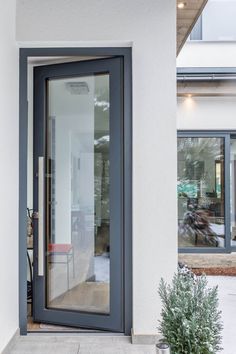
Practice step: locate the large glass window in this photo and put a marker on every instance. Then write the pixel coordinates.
(201, 192)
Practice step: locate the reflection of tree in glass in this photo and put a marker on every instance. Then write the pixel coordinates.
(197, 225)
(101, 147)
(196, 187)
(101, 190)
(195, 157)
(195, 146)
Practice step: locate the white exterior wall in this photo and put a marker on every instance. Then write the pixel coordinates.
(9, 174)
(207, 54)
(210, 113)
(149, 25)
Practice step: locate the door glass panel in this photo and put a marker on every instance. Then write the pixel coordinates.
(201, 192)
(77, 196)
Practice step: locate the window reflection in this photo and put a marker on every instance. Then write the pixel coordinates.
(78, 214)
(200, 188)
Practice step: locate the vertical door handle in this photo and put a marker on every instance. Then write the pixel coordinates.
(41, 216)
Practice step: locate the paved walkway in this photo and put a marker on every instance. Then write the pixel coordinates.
(43, 344)
(227, 297)
(105, 344)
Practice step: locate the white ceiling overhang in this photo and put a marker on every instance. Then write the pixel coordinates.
(186, 18)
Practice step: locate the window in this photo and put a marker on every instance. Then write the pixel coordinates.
(201, 192)
(206, 190)
(196, 33)
(217, 22)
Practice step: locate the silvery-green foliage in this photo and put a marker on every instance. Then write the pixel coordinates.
(191, 322)
(184, 270)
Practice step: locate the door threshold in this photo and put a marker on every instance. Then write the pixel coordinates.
(74, 333)
(48, 329)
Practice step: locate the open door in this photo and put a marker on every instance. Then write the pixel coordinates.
(78, 194)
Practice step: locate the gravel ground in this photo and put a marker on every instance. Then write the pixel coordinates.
(227, 271)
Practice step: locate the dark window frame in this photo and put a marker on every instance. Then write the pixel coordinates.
(226, 136)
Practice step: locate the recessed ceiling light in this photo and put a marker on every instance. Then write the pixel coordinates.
(77, 87)
(181, 5)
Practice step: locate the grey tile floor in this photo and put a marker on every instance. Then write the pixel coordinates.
(43, 344)
(90, 344)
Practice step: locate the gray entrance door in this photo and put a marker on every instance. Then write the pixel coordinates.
(78, 158)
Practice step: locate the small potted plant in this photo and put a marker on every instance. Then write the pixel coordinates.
(191, 322)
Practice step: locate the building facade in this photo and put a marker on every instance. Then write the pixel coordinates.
(115, 45)
(206, 132)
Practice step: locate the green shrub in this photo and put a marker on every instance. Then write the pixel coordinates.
(191, 321)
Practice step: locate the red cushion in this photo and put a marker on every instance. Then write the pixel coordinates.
(59, 247)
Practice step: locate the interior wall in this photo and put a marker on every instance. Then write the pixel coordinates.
(72, 114)
(9, 174)
(150, 25)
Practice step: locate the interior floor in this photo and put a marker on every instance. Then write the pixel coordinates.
(87, 296)
(46, 327)
(36, 327)
(71, 288)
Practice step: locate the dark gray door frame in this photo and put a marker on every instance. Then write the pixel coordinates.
(113, 321)
(25, 53)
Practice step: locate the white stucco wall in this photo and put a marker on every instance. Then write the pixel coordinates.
(207, 54)
(9, 174)
(150, 26)
(209, 113)
(212, 113)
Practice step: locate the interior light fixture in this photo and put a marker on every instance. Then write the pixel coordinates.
(77, 87)
(181, 5)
